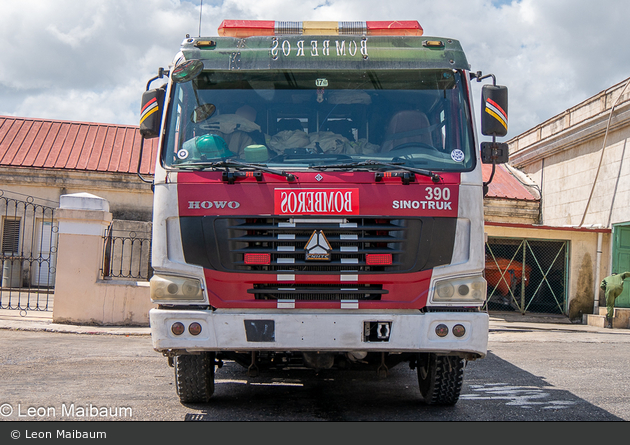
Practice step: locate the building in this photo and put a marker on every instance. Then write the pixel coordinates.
(580, 160)
(41, 160)
(44, 159)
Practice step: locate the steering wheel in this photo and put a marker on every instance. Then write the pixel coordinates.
(413, 144)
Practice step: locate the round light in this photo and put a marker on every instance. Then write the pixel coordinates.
(441, 330)
(194, 328)
(445, 290)
(172, 288)
(190, 288)
(178, 328)
(459, 330)
(463, 289)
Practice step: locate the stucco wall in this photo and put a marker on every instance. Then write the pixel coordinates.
(81, 296)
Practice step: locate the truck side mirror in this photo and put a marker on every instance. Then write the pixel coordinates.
(151, 112)
(494, 111)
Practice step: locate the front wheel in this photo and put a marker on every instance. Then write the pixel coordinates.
(194, 377)
(440, 378)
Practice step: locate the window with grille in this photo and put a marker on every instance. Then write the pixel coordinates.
(11, 236)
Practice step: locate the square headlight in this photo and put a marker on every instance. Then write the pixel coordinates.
(460, 290)
(170, 288)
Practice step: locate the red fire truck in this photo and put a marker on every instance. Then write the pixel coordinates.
(319, 203)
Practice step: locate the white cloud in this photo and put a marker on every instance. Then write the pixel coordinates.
(90, 60)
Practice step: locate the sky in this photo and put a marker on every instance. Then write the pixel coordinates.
(90, 60)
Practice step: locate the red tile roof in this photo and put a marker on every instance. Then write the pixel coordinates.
(504, 185)
(67, 145)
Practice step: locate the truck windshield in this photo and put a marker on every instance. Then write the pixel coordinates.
(298, 119)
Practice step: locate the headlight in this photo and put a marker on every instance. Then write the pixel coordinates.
(460, 290)
(168, 288)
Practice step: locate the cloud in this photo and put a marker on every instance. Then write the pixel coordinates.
(90, 60)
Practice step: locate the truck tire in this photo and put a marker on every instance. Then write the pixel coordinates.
(440, 378)
(194, 377)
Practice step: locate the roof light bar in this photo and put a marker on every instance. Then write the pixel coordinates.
(249, 28)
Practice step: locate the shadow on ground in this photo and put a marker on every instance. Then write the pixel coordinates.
(494, 390)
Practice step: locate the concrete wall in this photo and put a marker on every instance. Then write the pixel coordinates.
(563, 156)
(584, 275)
(81, 296)
(568, 177)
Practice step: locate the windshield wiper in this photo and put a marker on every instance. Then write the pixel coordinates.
(376, 164)
(231, 176)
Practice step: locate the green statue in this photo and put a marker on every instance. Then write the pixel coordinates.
(613, 286)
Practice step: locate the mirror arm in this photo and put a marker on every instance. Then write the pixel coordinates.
(140, 162)
(480, 77)
(161, 73)
(494, 166)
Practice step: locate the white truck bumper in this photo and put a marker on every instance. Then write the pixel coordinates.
(307, 330)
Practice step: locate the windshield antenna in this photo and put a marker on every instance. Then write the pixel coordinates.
(200, 10)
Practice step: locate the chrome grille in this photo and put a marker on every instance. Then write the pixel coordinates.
(285, 241)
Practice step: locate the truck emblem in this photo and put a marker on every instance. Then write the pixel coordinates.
(319, 177)
(318, 247)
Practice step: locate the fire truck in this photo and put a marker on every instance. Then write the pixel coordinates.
(318, 203)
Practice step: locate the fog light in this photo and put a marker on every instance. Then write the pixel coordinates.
(459, 330)
(194, 328)
(445, 290)
(441, 330)
(178, 328)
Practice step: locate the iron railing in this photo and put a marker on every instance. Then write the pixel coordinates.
(28, 254)
(126, 255)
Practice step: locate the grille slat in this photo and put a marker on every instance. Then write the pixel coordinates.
(350, 241)
(318, 292)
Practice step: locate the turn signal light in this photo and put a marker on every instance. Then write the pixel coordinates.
(257, 259)
(378, 259)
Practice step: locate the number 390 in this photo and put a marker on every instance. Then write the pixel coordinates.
(438, 193)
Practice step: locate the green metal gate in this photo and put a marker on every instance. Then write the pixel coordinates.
(621, 259)
(527, 275)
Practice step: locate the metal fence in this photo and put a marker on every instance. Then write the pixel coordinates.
(28, 253)
(527, 275)
(127, 254)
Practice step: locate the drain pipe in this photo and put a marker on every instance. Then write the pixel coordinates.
(597, 274)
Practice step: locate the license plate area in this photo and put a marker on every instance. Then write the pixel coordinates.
(377, 331)
(260, 330)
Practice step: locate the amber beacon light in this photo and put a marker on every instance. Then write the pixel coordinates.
(249, 28)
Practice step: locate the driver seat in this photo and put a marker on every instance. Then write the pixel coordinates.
(407, 126)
